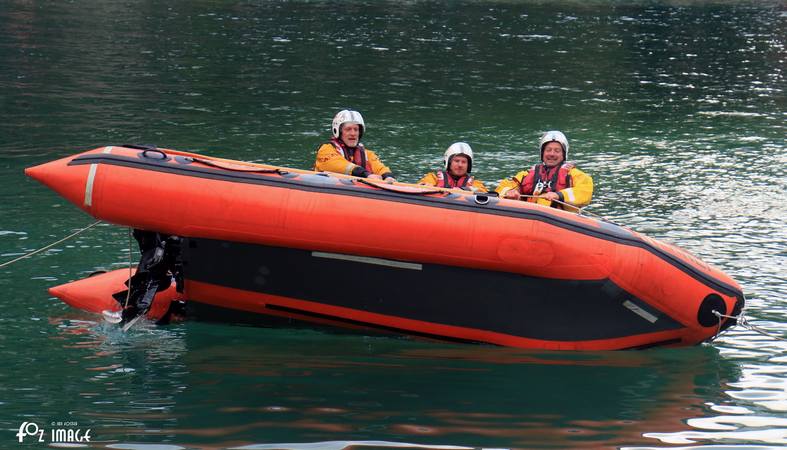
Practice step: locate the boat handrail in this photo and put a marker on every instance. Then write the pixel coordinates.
(237, 167)
(400, 188)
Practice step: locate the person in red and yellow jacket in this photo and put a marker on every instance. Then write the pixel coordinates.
(458, 160)
(553, 182)
(345, 153)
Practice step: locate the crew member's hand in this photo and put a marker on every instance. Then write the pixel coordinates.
(513, 194)
(374, 176)
(551, 196)
(390, 180)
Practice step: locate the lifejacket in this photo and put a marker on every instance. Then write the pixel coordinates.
(444, 179)
(549, 180)
(355, 155)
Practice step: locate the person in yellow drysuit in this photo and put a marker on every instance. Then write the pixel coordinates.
(345, 153)
(458, 163)
(552, 182)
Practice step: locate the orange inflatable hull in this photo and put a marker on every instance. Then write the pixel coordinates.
(95, 294)
(420, 261)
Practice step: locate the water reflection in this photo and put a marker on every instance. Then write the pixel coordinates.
(324, 387)
(127, 383)
(145, 387)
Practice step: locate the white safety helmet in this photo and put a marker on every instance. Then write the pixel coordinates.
(459, 148)
(553, 136)
(346, 116)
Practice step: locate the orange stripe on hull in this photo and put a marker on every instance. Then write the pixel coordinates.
(318, 313)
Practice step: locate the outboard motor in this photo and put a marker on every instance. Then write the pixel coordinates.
(159, 264)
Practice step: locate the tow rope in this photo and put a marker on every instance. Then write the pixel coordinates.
(34, 252)
(744, 322)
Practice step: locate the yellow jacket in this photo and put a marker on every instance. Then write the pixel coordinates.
(579, 194)
(332, 159)
(431, 179)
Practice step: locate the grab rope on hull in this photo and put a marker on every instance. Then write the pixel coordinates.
(581, 211)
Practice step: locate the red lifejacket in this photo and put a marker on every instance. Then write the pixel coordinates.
(551, 180)
(444, 179)
(355, 155)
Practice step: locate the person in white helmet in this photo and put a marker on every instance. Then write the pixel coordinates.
(553, 182)
(458, 163)
(345, 153)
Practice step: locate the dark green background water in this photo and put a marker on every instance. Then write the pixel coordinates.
(676, 108)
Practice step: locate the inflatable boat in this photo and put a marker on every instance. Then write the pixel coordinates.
(329, 249)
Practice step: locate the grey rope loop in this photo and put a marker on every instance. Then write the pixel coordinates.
(746, 324)
(130, 274)
(34, 252)
(580, 211)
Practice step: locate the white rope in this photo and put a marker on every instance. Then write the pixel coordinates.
(8, 263)
(742, 321)
(580, 211)
(130, 262)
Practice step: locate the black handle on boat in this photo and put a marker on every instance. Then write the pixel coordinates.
(139, 146)
(154, 150)
(482, 199)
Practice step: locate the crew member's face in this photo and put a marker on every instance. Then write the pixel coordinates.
(350, 134)
(458, 166)
(553, 154)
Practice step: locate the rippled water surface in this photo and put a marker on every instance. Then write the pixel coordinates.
(677, 109)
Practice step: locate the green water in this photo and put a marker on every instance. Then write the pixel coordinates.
(676, 108)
